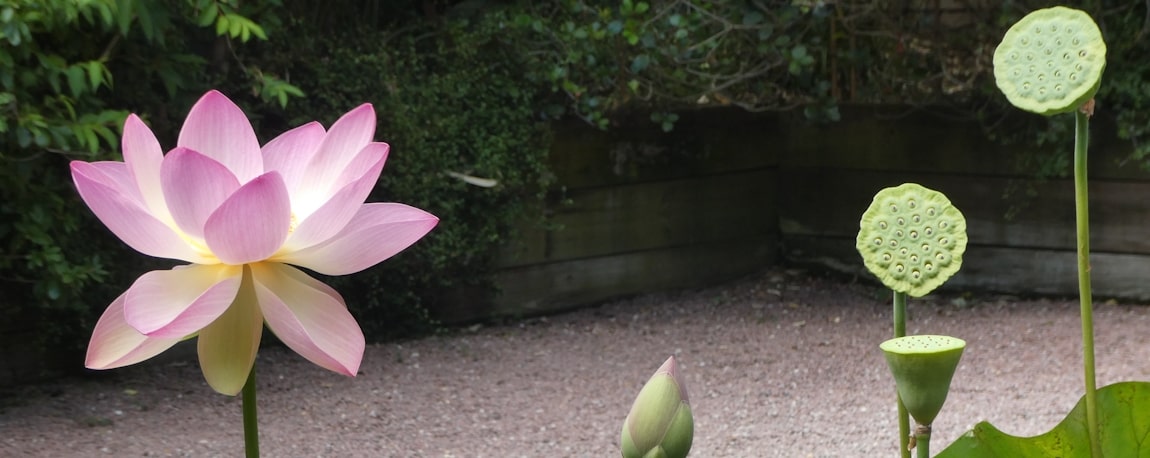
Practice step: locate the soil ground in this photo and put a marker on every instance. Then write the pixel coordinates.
(781, 363)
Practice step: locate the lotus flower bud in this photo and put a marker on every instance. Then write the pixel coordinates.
(660, 423)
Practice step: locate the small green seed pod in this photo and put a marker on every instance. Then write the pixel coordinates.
(1050, 61)
(923, 367)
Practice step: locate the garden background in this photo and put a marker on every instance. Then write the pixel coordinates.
(634, 146)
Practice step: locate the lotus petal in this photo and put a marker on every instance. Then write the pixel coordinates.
(143, 157)
(127, 218)
(309, 317)
(290, 153)
(227, 347)
(217, 128)
(340, 208)
(194, 186)
(116, 344)
(350, 134)
(179, 302)
(377, 232)
(252, 224)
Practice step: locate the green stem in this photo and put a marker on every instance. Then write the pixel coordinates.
(1082, 216)
(903, 415)
(903, 430)
(251, 427)
(922, 445)
(899, 314)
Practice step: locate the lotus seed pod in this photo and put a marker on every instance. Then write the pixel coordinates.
(1050, 61)
(923, 367)
(660, 424)
(912, 238)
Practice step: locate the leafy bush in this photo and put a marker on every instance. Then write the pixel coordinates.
(603, 58)
(61, 267)
(68, 69)
(451, 101)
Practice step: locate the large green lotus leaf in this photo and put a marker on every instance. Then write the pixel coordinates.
(1124, 427)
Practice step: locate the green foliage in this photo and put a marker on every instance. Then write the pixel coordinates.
(601, 58)
(68, 69)
(50, 109)
(1123, 418)
(1125, 92)
(451, 103)
(47, 99)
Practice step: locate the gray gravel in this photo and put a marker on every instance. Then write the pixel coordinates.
(778, 364)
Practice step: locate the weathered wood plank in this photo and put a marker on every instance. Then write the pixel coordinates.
(702, 143)
(527, 244)
(894, 138)
(917, 140)
(1018, 271)
(832, 200)
(1109, 156)
(547, 288)
(24, 359)
(825, 177)
(643, 216)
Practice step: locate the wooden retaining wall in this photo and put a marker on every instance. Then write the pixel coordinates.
(728, 193)
(831, 173)
(22, 356)
(639, 210)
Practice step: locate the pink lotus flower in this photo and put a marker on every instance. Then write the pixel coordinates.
(242, 216)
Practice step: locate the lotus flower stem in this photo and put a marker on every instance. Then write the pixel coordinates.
(903, 429)
(903, 415)
(1082, 213)
(251, 426)
(899, 314)
(922, 441)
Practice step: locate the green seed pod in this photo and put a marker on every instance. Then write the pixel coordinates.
(912, 238)
(1050, 61)
(922, 367)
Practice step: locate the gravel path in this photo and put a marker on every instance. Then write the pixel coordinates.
(777, 364)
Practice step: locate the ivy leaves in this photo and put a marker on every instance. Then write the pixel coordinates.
(664, 56)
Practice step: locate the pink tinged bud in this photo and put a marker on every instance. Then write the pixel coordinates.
(660, 423)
